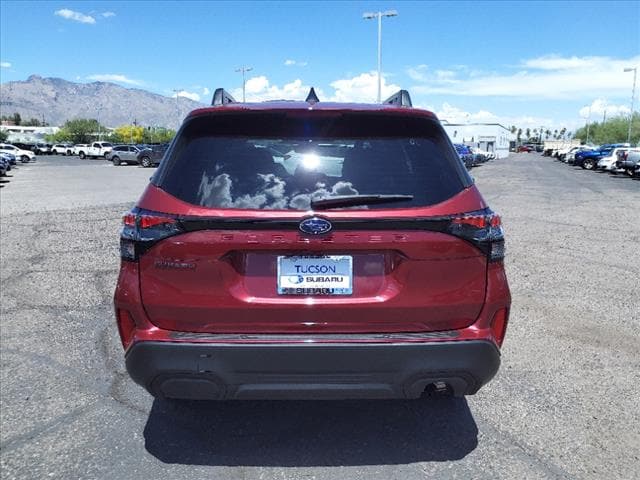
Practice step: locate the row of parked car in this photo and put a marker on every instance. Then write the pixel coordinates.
(10, 157)
(145, 155)
(472, 157)
(613, 157)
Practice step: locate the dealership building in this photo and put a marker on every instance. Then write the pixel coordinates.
(27, 135)
(491, 137)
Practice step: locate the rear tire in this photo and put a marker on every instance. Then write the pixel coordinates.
(588, 164)
(82, 155)
(24, 159)
(116, 161)
(145, 162)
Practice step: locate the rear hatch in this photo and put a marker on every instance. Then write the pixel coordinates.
(311, 222)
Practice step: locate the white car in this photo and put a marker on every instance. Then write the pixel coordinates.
(62, 149)
(23, 155)
(608, 163)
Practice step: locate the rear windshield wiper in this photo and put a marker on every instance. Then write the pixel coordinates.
(342, 201)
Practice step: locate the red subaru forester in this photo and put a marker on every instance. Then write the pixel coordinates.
(311, 250)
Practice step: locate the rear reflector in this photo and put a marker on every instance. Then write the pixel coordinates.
(499, 325)
(126, 327)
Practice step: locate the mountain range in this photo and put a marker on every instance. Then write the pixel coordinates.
(112, 105)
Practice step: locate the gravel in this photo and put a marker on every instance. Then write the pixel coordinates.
(564, 404)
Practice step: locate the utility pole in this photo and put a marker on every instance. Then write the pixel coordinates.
(588, 124)
(379, 15)
(633, 98)
(243, 69)
(177, 92)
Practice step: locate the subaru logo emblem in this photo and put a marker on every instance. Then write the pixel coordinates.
(315, 226)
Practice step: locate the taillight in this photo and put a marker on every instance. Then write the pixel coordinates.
(482, 228)
(142, 229)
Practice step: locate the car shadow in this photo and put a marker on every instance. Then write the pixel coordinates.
(310, 433)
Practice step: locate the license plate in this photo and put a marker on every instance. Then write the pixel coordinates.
(323, 275)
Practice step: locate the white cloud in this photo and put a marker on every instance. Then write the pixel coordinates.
(290, 63)
(75, 16)
(361, 88)
(555, 62)
(599, 107)
(114, 77)
(454, 114)
(549, 77)
(5, 65)
(259, 89)
(206, 91)
(108, 14)
(191, 95)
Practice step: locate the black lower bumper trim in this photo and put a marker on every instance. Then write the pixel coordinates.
(310, 371)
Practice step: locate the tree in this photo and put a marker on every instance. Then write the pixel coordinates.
(3, 136)
(81, 130)
(128, 134)
(513, 129)
(32, 122)
(613, 130)
(16, 119)
(528, 133)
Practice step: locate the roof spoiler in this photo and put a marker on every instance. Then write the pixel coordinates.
(400, 98)
(221, 97)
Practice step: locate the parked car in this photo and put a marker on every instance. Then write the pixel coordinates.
(123, 154)
(80, 147)
(466, 155)
(370, 267)
(152, 154)
(608, 163)
(9, 157)
(24, 155)
(629, 161)
(62, 149)
(42, 148)
(95, 150)
(5, 166)
(525, 149)
(588, 159)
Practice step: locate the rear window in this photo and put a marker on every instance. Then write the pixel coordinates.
(282, 161)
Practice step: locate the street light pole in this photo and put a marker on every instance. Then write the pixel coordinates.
(177, 92)
(633, 98)
(588, 124)
(244, 70)
(98, 110)
(379, 15)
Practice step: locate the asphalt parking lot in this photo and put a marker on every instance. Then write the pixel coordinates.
(564, 404)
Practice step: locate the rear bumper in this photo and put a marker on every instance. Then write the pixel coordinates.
(310, 371)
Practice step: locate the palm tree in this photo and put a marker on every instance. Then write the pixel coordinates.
(528, 133)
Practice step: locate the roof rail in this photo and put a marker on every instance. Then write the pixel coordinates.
(312, 97)
(400, 98)
(221, 97)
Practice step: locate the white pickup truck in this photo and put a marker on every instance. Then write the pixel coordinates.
(95, 150)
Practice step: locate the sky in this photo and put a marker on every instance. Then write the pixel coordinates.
(528, 64)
